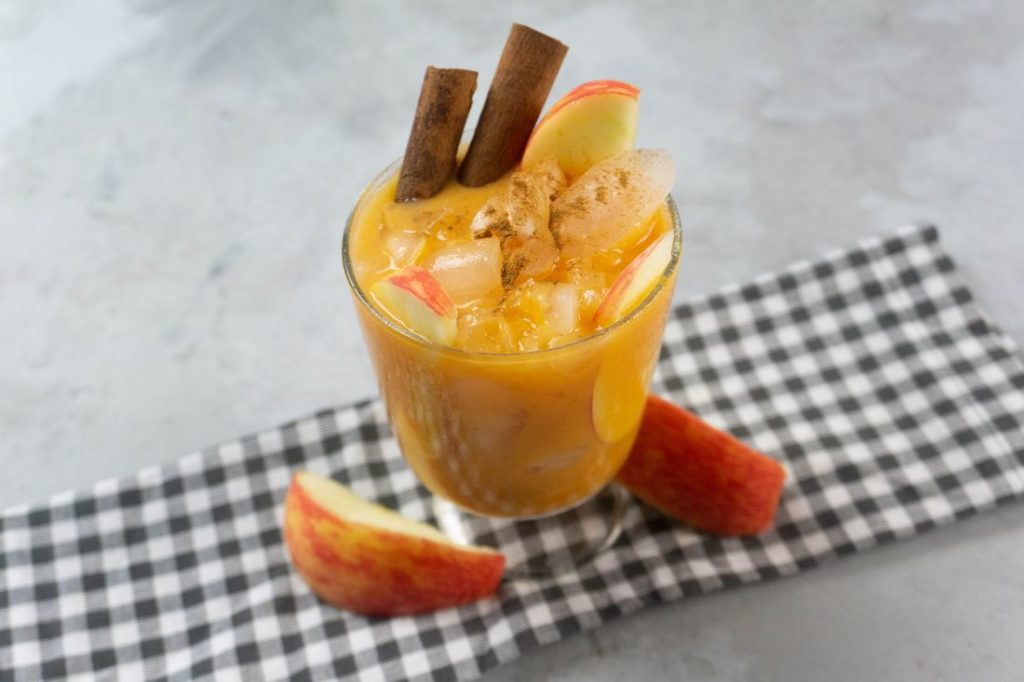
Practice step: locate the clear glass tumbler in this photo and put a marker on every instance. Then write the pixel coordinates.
(513, 445)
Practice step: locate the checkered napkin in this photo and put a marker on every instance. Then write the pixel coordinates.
(895, 403)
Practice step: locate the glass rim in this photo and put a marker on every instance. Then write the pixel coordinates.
(380, 316)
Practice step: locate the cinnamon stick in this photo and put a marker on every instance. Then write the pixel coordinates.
(441, 114)
(526, 72)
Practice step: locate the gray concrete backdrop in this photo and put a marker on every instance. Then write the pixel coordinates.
(173, 178)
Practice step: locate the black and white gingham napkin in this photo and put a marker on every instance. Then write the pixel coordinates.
(897, 405)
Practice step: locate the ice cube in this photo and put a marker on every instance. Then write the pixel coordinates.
(519, 218)
(468, 270)
(591, 287)
(409, 218)
(484, 330)
(611, 201)
(551, 176)
(524, 210)
(403, 247)
(527, 257)
(562, 311)
(528, 302)
(492, 414)
(404, 233)
(528, 205)
(449, 225)
(492, 218)
(528, 342)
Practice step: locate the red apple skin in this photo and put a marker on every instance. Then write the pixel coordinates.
(599, 87)
(376, 572)
(699, 475)
(575, 148)
(425, 287)
(417, 300)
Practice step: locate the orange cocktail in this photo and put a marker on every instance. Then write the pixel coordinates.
(520, 394)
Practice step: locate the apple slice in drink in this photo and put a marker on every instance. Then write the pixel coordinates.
(365, 558)
(635, 281)
(417, 300)
(592, 122)
(618, 401)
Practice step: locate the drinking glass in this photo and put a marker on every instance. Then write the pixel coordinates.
(519, 448)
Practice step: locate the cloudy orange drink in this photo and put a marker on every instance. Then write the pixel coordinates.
(514, 327)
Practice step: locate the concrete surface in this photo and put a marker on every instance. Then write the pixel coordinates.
(173, 178)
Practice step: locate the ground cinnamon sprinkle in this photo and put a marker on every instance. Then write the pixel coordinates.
(499, 228)
(578, 206)
(623, 177)
(554, 224)
(511, 269)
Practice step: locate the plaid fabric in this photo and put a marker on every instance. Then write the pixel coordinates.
(896, 404)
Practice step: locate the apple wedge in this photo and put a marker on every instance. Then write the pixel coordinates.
(635, 281)
(415, 298)
(618, 401)
(699, 475)
(364, 558)
(592, 122)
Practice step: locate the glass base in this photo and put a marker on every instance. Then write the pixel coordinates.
(546, 546)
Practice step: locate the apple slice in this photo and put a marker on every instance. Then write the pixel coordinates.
(618, 401)
(416, 299)
(635, 281)
(362, 557)
(592, 122)
(699, 475)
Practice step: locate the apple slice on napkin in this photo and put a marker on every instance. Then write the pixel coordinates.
(699, 475)
(362, 557)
